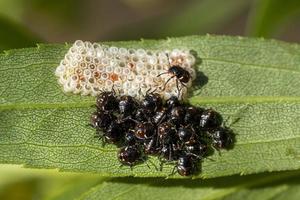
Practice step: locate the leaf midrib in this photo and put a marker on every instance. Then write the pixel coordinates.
(197, 99)
(111, 150)
(60, 146)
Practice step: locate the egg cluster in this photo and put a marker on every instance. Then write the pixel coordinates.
(88, 69)
(174, 131)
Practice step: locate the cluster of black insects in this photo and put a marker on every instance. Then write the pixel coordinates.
(174, 131)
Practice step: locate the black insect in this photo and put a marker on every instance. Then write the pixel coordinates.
(167, 133)
(187, 135)
(168, 141)
(141, 115)
(192, 116)
(144, 130)
(130, 155)
(199, 148)
(187, 165)
(152, 146)
(172, 102)
(169, 152)
(173, 131)
(160, 116)
(152, 102)
(176, 115)
(130, 138)
(107, 101)
(101, 120)
(210, 120)
(181, 75)
(114, 133)
(222, 138)
(127, 123)
(127, 106)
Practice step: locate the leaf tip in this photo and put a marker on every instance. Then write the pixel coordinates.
(66, 44)
(38, 45)
(242, 173)
(6, 52)
(168, 39)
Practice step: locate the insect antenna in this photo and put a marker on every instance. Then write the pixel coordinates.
(162, 74)
(167, 82)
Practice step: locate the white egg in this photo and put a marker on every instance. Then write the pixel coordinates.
(132, 71)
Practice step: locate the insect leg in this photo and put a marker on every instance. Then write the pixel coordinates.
(178, 88)
(167, 82)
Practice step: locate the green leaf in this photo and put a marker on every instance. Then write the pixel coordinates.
(13, 35)
(54, 186)
(261, 186)
(253, 80)
(23, 10)
(202, 19)
(282, 187)
(20, 183)
(174, 21)
(13, 9)
(269, 16)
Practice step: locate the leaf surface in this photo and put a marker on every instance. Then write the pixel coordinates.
(262, 186)
(254, 82)
(52, 185)
(270, 17)
(14, 35)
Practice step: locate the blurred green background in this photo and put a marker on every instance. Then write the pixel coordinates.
(23, 23)
(26, 22)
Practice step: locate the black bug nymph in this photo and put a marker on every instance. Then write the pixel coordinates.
(141, 115)
(176, 115)
(101, 119)
(172, 102)
(167, 133)
(187, 165)
(182, 76)
(169, 153)
(192, 116)
(130, 138)
(222, 138)
(176, 132)
(127, 123)
(152, 102)
(160, 116)
(168, 140)
(144, 130)
(210, 120)
(127, 106)
(130, 155)
(114, 133)
(187, 135)
(198, 149)
(152, 146)
(107, 101)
